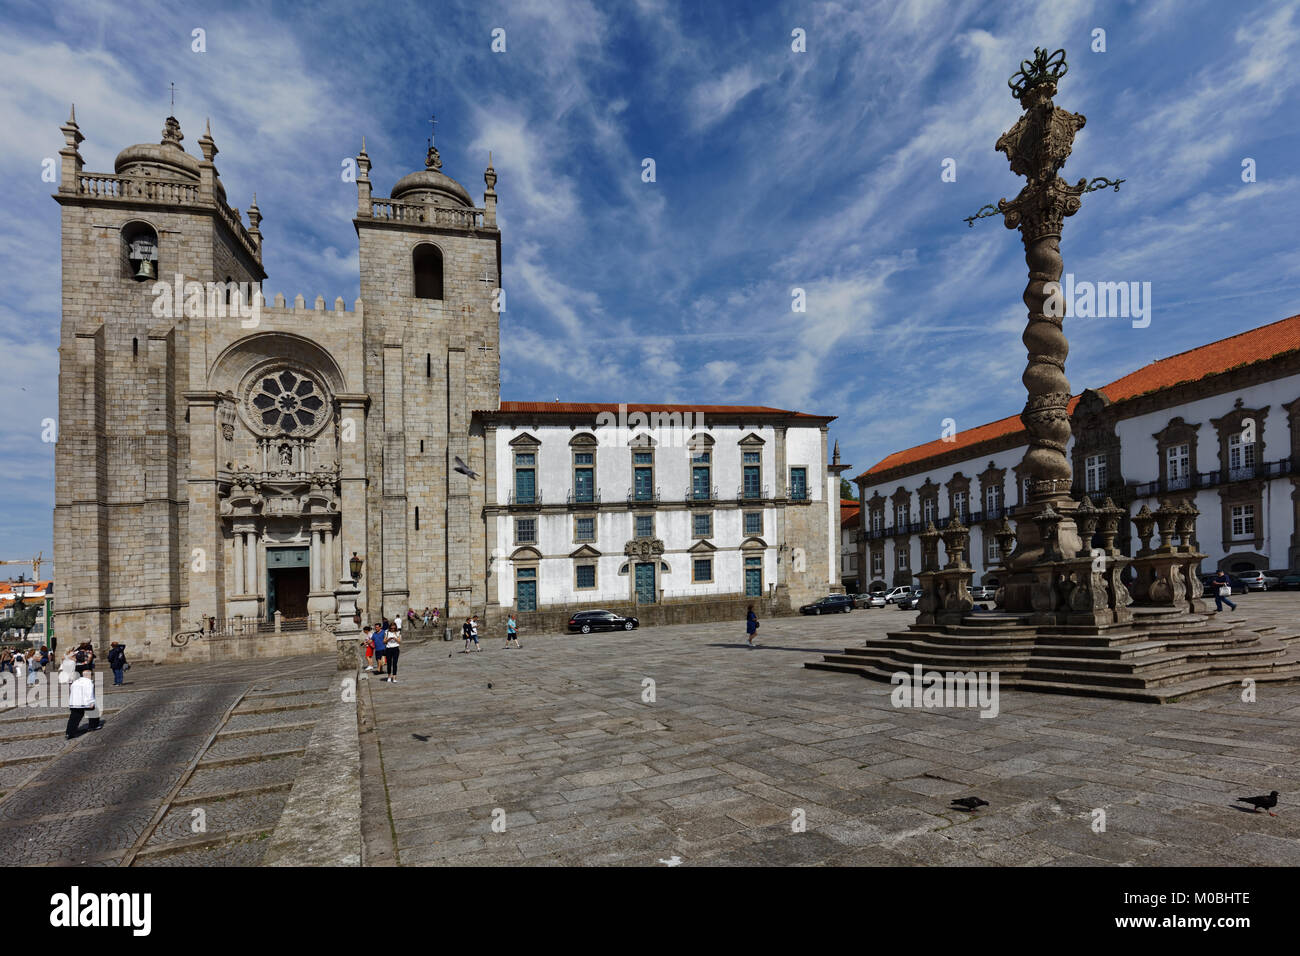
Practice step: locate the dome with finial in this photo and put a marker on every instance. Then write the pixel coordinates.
(431, 185)
(164, 160)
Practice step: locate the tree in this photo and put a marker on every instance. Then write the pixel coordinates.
(23, 619)
(846, 490)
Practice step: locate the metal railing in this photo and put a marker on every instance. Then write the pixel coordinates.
(635, 494)
(531, 499)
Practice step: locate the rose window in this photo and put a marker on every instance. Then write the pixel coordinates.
(286, 402)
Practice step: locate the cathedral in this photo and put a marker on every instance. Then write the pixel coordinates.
(225, 460)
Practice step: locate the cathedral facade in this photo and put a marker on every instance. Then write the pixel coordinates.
(223, 459)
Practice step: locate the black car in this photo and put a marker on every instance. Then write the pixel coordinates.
(830, 604)
(1211, 589)
(588, 621)
(911, 602)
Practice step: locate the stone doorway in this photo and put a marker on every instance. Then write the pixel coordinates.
(288, 582)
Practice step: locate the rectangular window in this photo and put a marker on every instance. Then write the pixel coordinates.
(752, 487)
(877, 520)
(1094, 467)
(993, 550)
(643, 458)
(1025, 484)
(928, 510)
(525, 530)
(702, 524)
(584, 477)
(903, 561)
(959, 505)
(900, 517)
(643, 483)
(586, 577)
(525, 479)
(993, 501)
(1243, 521)
(1241, 458)
(702, 569)
(753, 522)
(585, 529)
(798, 484)
(700, 458)
(877, 562)
(700, 483)
(751, 457)
(1178, 465)
(645, 526)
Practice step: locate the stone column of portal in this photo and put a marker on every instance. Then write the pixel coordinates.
(240, 578)
(314, 560)
(250, 562)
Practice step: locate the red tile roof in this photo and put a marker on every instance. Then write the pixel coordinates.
(849, 510)
(1257, 345)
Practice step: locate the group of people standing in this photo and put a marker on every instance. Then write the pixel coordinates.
(383, 643)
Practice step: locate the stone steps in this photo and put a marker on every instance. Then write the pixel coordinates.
(1181, 654)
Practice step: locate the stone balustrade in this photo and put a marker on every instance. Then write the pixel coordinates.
(455, 217)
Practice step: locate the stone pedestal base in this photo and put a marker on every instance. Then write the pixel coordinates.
(945, 597)
(1169, 578)
(348, 650)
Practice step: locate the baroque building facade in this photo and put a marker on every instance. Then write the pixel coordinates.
(1217, 426)
(221, 458)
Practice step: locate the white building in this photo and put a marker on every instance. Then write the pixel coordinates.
(636, 505)
(1217, 426)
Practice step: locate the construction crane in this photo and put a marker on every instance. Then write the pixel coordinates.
(35, 562)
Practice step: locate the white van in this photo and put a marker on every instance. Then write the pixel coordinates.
(899, 593)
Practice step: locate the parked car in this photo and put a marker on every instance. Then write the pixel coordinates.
(984, 592)
(1257, 580)
(869, 600)
(911, 602)
(1211, 589)
(830, 604)
(588, 621)
(1289, 582)
(898, 593)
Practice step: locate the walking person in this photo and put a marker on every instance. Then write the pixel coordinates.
(381, 640)
(1222, 593)
(512, 631)
(117, 662)
(6, 661)
(81, 698)
(33, 667)
(20, 665)
(467, 633)
(392, 647)
(751, 625)
(473, 633)
(368, 643)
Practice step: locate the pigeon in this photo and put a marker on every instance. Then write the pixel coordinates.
(489, 685)
(463, 468)
(421, 738)
(970, 804)
(1262, 803)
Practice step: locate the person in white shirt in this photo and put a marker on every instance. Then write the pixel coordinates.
(81, 698)
(68, 669)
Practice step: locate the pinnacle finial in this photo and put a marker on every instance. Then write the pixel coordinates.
(72, 117)
(208, 131)
(363, 142)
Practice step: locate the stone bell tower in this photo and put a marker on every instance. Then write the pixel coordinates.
(430, 280)
(123, 549)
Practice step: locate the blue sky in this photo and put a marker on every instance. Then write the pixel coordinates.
(775, 170)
